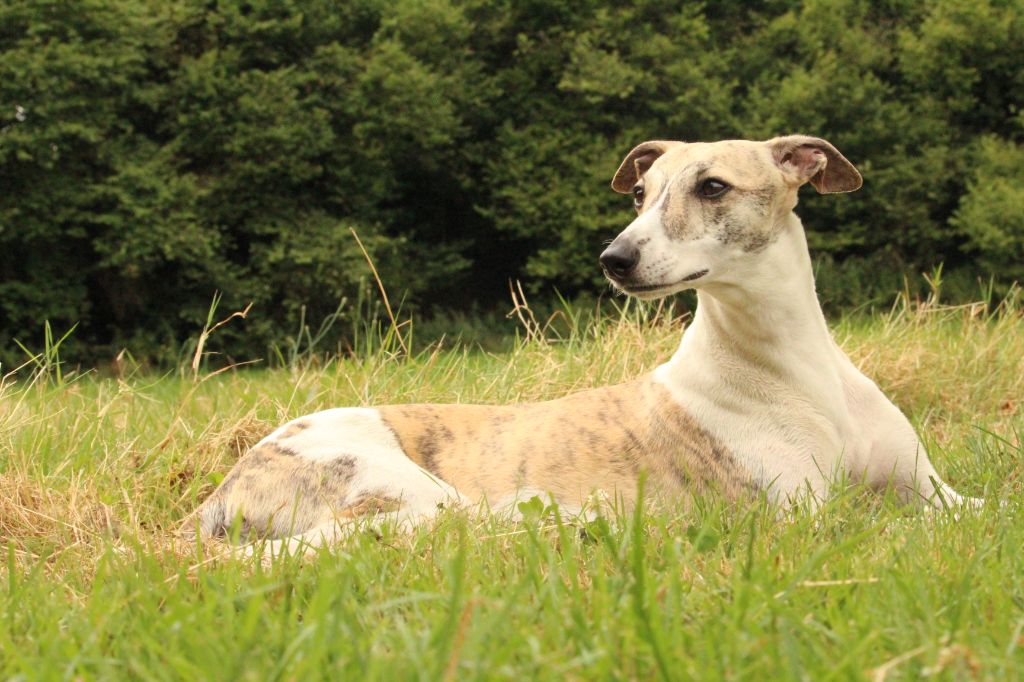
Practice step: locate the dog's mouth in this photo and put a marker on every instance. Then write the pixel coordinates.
(647, 290)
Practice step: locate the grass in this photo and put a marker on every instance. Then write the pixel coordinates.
(95, 474)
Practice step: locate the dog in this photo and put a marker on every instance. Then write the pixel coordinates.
(758, 397)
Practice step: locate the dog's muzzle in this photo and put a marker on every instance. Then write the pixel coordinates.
(619, 260)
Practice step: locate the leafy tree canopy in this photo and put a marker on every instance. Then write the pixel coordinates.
(152, 153)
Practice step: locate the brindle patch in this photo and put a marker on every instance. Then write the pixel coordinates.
(272, 492)
(675, 225)
(426, 432)
(344, 467)
(376, 502)
(674, 217)
(228, 483)
(761, 200)
(739, 217)
(293, 429)
(681, 475)
(426, 445)
(736, 229)
(700, 459)
(602, 438)
(757, 242)
(277, 449)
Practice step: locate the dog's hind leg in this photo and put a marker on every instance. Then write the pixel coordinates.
(309, 482)
(334, 533)
(305, 544)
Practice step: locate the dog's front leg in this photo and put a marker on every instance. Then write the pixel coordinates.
(891, 453)
(898, 456)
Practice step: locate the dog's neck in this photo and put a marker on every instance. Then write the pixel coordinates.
(763, 326)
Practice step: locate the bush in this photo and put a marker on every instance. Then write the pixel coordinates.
(153, 153)
(991, 213)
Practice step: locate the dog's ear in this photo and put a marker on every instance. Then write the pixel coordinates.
(812, 159)
(637, 162)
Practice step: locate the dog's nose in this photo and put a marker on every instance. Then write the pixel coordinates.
(619, 260)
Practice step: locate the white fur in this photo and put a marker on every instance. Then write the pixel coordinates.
(757, 369)
(381, 466)
(803, 414)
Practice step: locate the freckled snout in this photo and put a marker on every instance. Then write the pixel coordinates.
(620, 259)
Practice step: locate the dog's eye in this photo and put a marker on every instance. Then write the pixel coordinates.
(638, 196)
(712, 188)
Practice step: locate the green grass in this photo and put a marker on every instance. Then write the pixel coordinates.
(96, 473)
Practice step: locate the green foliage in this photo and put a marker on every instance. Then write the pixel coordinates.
(154, 153)
(991, 213)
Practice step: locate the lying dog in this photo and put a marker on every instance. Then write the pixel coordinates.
(758, 396)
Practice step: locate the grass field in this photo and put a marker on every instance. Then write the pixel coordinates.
(96, 473)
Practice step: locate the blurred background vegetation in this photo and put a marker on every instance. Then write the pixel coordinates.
(153, 152)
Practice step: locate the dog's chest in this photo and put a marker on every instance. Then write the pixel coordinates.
(784, 444)
(786, 450)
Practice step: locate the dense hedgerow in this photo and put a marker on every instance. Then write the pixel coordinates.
(152, 153)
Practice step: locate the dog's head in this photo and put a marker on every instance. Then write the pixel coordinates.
(705, 206)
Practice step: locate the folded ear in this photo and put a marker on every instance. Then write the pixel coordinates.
(802, 159)
(637, 162)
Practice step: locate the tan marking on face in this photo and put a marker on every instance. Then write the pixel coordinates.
(746, 215)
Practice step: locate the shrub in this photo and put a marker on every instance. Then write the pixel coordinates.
(154, 153)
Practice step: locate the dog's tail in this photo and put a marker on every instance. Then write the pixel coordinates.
(209, 520)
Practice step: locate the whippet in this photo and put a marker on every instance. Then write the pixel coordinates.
(758, 397)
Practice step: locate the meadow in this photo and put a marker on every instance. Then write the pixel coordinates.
(97, 471)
